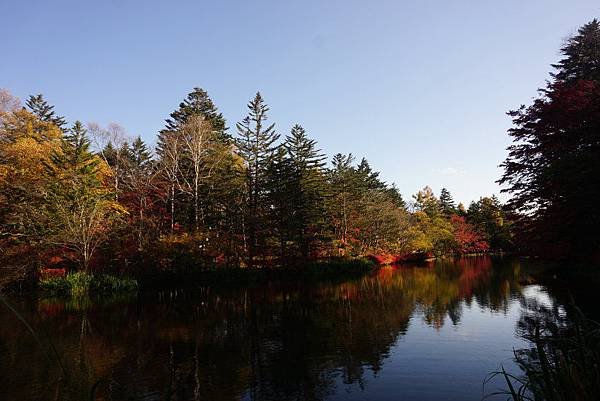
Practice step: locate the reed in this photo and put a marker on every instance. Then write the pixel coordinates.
(562, 364)
(81, 284)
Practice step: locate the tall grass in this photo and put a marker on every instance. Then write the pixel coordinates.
(81, 284)
(562, 364)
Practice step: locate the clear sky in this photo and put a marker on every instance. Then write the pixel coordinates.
(419, 88)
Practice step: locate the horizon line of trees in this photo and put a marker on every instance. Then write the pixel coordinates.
(209, 197)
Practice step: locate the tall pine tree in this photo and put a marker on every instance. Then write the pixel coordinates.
(307, 188)
(256, 144)
(447, 203)
(45, 112)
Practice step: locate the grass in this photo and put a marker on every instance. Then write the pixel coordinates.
(562, 364)
(81, 283)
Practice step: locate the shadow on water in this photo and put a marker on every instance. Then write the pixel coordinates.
(273, 342)
(561, 359)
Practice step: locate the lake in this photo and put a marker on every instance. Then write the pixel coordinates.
(402, 333)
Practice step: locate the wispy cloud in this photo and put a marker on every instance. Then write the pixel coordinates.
(451, 171)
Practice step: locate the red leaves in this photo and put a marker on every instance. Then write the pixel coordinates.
(50, 273)
(468, 240)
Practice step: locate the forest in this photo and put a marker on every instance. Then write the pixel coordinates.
(234, 259)
(83, 197)
(91, 198)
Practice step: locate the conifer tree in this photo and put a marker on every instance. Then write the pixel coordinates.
(196, 103)
(307, 189)
(280, 182)
(395, 196)
(553, 166)
(447, 203)
(139, 183)
(139, 153)
(582, 52)
(45, 112)
(256, 144)
(75, 161)
(342, 199)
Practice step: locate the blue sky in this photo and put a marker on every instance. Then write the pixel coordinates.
(419, 88)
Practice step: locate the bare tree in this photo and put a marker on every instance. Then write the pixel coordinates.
(171, 155)
(110, 144)
(82, 224)
(8, 103)
(200, 149)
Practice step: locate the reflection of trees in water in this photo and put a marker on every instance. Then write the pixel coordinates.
(562, 359)
(272, 342)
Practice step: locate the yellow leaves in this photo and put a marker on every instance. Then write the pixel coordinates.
(21, 123)
(26, 146)
(117, 207)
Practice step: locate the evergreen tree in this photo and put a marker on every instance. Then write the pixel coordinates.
(139, 192)
(45, 112)
(139, 153)
(553, 167)
(342, 199)
(395, 196)
(196, 103)
(280, 181)
(369, 178)
(256, 144)
(447, 203)
(307, 189)
(582, 55)
(75, 161)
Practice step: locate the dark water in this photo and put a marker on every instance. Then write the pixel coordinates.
(407, 333)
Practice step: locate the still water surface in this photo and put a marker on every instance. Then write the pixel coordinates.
(403, 333)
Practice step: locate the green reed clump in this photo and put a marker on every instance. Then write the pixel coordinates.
(82, 283)
(106, 283)
(563, 363)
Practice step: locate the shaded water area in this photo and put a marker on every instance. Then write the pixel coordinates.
(402, 333)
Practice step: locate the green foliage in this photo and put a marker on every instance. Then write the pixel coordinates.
(208, 200)
(256, 145)
(196, 103)
(491, 220)
(106, 283)
(447, 203)
(45, 112)
(82, 283)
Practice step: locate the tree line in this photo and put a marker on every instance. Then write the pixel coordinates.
(206, 196)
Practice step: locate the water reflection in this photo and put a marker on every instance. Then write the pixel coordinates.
(273, 342)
